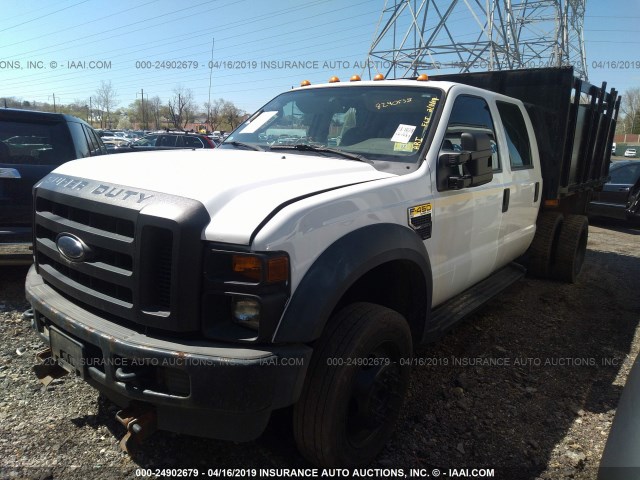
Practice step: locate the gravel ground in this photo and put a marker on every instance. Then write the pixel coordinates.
(527, 387)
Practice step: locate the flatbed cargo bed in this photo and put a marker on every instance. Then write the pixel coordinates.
(574, 123)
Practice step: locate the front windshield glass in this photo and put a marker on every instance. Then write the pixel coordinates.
(377, 123)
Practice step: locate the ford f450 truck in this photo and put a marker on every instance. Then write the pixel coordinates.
(300, 263)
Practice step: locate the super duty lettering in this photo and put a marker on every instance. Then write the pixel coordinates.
(121, 193)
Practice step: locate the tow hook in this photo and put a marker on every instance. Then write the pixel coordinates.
(48, 370)
(28, 315)
(140, 421)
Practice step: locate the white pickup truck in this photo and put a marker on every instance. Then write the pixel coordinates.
(301, 262)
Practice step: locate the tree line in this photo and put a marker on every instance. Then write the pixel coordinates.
(181, 110)
(144, 113)
(629, 119)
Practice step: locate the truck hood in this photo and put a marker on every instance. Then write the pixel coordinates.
(239, 188)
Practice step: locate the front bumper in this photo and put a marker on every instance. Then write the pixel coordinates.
(198, 387)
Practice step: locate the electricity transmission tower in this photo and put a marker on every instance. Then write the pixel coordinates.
(416, 36)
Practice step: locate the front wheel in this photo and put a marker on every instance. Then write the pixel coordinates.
(355, 386)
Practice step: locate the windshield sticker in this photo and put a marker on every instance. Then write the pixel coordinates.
(431, 106)
(402, 147)
(393, 103)
(403, 133)
(259, 121)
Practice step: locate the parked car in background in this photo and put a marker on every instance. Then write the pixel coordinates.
(184, 140)
(631, 152)
(167, 141)
(216, 140)
(618, 195)
(31, 145)
(125, 147)
(146, 141)
(117, 141)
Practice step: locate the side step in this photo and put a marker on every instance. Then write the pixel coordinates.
(445, 316)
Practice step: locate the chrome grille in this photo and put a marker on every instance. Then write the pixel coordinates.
(140, 265)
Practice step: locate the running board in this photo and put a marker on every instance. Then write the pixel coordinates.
(445, 316)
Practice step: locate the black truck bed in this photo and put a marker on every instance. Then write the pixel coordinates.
(574, 123)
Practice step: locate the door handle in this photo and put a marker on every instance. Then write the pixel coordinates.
(505, 199)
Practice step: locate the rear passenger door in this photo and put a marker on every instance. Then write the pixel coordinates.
(522, 200)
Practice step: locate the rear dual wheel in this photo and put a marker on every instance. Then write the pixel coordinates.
(542, 252)
(572, 247)
(559, 246)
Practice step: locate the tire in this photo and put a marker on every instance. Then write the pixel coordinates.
(542, 252)
(347, 410)
(572, 246)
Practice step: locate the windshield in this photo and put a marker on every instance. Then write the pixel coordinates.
(378, 123)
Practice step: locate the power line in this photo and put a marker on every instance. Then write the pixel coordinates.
(195, 76)
(43, 16)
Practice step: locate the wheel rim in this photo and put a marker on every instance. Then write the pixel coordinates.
(375, 396)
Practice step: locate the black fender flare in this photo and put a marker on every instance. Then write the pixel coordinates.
(339, 267)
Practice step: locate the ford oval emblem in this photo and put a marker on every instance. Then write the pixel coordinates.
(71, 247)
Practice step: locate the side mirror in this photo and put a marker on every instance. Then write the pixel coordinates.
(475, 159)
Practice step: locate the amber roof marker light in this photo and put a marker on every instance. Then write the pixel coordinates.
(423, 77)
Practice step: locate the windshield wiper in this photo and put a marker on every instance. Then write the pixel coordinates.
(304, 147)
(244, 145)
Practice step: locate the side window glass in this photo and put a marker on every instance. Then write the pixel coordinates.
(97, 147)
(166, 141)
(192, 142)
(94, 145)
(515, 130)
(623, 175)
(79, 138)
(470, 114)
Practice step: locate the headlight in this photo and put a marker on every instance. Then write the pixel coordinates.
(244, 289)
